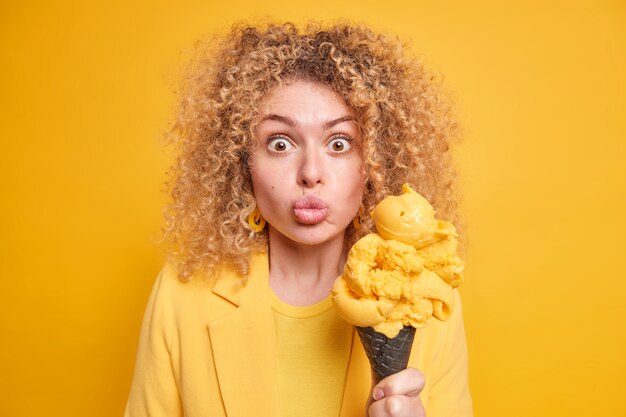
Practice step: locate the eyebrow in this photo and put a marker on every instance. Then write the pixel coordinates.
(292, 123)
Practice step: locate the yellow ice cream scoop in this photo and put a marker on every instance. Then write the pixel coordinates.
(404, 274)
(384, 285)
(409, 218)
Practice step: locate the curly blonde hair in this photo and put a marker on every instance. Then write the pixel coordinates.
(405, 124)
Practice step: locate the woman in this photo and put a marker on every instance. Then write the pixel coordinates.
(287, 138)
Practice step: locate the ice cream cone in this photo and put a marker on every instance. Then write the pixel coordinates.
(387, 356)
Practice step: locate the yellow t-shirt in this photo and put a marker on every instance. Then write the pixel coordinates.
(312, 351)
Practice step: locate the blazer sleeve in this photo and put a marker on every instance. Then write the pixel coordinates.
(153, 390)
(449, 394)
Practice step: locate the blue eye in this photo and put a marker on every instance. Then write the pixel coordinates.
(339, 144)
(279, 144)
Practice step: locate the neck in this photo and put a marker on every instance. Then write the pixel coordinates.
(303, 274)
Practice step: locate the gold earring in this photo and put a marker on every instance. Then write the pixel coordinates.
(256, 221)
(356, 222)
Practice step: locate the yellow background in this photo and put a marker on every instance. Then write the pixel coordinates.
(86, 90)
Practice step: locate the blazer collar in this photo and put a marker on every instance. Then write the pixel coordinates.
(230, 284)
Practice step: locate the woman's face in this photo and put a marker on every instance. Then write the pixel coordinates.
(307, 170)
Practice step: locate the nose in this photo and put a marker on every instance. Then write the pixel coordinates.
(311, 170)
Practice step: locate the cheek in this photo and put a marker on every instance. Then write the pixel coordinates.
(353, 179)
(265, 182)
(260, 181)
(350, 186)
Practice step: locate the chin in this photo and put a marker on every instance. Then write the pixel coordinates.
(312, 235)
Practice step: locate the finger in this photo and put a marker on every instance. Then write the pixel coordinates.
(409, 382)
(397, 406)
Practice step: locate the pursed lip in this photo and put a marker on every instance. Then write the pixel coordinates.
(310, 209)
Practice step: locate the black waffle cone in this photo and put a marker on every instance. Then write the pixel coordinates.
(387, 356)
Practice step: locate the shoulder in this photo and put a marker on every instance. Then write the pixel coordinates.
(194, 298)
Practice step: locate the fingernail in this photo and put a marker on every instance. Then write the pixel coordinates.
(378, 394)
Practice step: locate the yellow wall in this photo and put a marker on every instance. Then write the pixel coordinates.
(86, 90)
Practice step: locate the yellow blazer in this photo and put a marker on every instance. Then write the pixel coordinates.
(207, 349)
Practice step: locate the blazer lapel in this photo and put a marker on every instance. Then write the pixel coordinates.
(243, 343)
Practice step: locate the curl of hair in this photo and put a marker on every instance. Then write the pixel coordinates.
(404, 118)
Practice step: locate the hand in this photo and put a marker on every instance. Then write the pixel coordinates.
(397, 395)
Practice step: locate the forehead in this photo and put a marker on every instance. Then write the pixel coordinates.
(305, 98)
